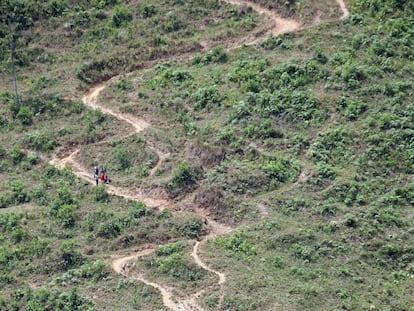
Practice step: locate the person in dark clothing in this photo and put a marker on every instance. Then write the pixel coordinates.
(96, 174)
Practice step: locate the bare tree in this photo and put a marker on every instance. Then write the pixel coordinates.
(14, 16)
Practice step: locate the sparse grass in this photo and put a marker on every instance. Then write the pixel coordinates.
(243, 129)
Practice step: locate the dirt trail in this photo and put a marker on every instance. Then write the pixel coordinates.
(121, 264)
(345, 12)
(278, 25)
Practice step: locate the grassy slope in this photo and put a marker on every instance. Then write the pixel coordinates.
(304, 144)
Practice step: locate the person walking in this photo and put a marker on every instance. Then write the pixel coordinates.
(102, 176)
(96, 175)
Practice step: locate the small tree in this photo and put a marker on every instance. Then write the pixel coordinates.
(15, 16)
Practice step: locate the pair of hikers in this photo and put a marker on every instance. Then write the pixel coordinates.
(101, 175)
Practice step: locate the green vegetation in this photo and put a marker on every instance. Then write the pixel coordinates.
(303, 143)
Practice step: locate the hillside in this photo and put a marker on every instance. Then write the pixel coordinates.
(261, 155)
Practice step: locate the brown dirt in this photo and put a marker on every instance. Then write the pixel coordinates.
(122, 263)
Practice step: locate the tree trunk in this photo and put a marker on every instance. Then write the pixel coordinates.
(16, 93)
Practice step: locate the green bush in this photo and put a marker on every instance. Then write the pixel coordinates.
(63, 195)
(25, 115)
(40, 195)
(182, 175)
(148, 10)
(101, 195)
(350, 108)
(19, 193)
(3, 151)
(169, 249)
(167, 75)
(282, 169)
(353, 74)
(56, 7)
(68, 256)
(240, 111)
(40, 141)
(96, 271)
(319, 56)
(5, 200)
(272, 42)
(264, 130)
(207, 97)
(173, 22)
(189, 228)
(110, 229)
(123, 159)
(237, 243)
(16, 154)
(303, 252)
(325, 170)
(140, 210)
(66, 215)
(121, 16)
(350, 220)
(332, 145)
(217, 55)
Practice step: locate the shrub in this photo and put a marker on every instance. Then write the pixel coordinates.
(217, 55)
(109, 229)
(5, 200)
(240, 111)
(319, 56)
(167, 76)
(272, 42)
(238, 243)
(101, 195)
(19, 193)
(33, 159)
(190, 228)
(40, 141)
(69, 257)
(264, 130)
(56, 7)
(40, 195)
(25, 115)
(353, 74)
(170, 248)
(16, 154)
(303, 252)
(66, 215)
(123, 159)
(350, 220)
(148, 10)
(207, 97)
(19, 234)
(121, 16)
(173, 22)
(350, 108)
(332, 144)
(226, 136)
(325, 170)
(282, 169)
(96, 271)
(182, 176)
(140, 210)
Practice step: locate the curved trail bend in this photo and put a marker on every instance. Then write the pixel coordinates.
(121, 263)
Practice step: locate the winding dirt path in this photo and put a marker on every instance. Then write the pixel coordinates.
(345, 12)
(122, 263)
(278, 25)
